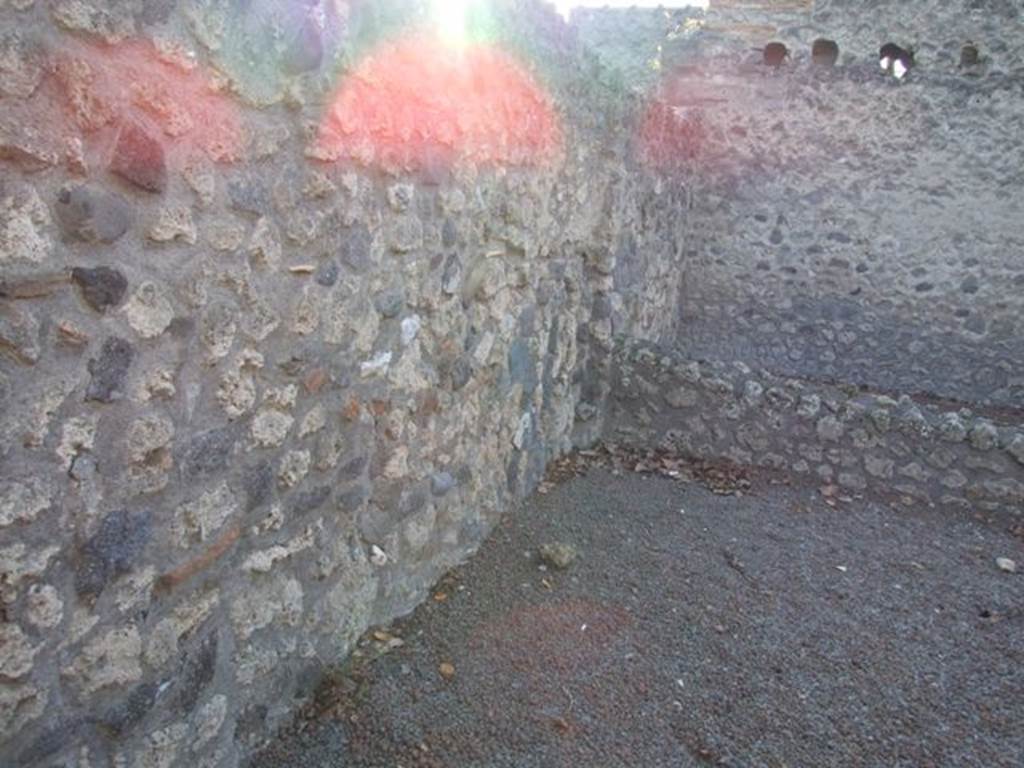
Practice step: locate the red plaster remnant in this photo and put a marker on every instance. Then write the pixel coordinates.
(671, 138)
(71, 335)
(133, 79)
(315, 381)
(92, 91)
(184, 572)
(427, 405)
(33, 287)
(418, 103)
(352, 410)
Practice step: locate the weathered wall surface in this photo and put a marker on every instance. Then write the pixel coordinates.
(848, 441)
(637, 44)
(855, 228)
(261, 383)
(291, 307)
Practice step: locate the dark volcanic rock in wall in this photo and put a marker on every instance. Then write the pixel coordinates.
(352, 500)
(208, 453)
(449, 233)
(139, 159)
(155, 11)
(521, 366)
(390, 302)
(251, 725)
(461, 373)
(259, 485)
(249, 195)
(356, 247)
(441, 483)
(110, 370)
(130, 711)
(308, 501)
(52, 740)
(196, 671)
(451, 279)
(327, 274)
(113, 551)
(102, 287)
(92, 215)
(353, 468)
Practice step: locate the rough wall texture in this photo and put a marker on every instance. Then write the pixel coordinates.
(853, 227)
(849, 441)
(291, 307)
(252, 401)
(638, 45)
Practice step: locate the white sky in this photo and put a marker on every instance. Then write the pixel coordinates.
(564, 6)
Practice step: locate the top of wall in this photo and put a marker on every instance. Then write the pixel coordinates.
(643, 41)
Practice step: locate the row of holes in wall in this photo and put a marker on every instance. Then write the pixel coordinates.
(892, 57)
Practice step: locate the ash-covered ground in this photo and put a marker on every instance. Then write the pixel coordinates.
(720, 620)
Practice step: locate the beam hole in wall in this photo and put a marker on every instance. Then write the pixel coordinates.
(775, 54)
(969, 55)
(824, 52)
(895, 60)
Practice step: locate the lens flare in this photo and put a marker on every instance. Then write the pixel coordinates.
(419, 104)
(450, 18)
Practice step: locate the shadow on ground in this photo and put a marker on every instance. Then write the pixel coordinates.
(695, 628)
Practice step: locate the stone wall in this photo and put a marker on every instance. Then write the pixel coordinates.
(293, 305)
(852, 227)
(847, 441)
(638, 44)
(265, 374)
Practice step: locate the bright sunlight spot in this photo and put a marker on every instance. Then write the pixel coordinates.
(450, 17)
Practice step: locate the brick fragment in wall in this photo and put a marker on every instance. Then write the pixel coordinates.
(139, 159)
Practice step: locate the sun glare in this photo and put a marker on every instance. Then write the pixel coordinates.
(450, 18)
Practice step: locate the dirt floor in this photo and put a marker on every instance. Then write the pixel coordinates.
(778, 627)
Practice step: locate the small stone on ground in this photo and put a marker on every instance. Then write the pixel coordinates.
(558, 555)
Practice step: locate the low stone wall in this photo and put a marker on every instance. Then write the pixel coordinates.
(838, 436)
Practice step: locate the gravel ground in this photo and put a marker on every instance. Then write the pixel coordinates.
(695, 629)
